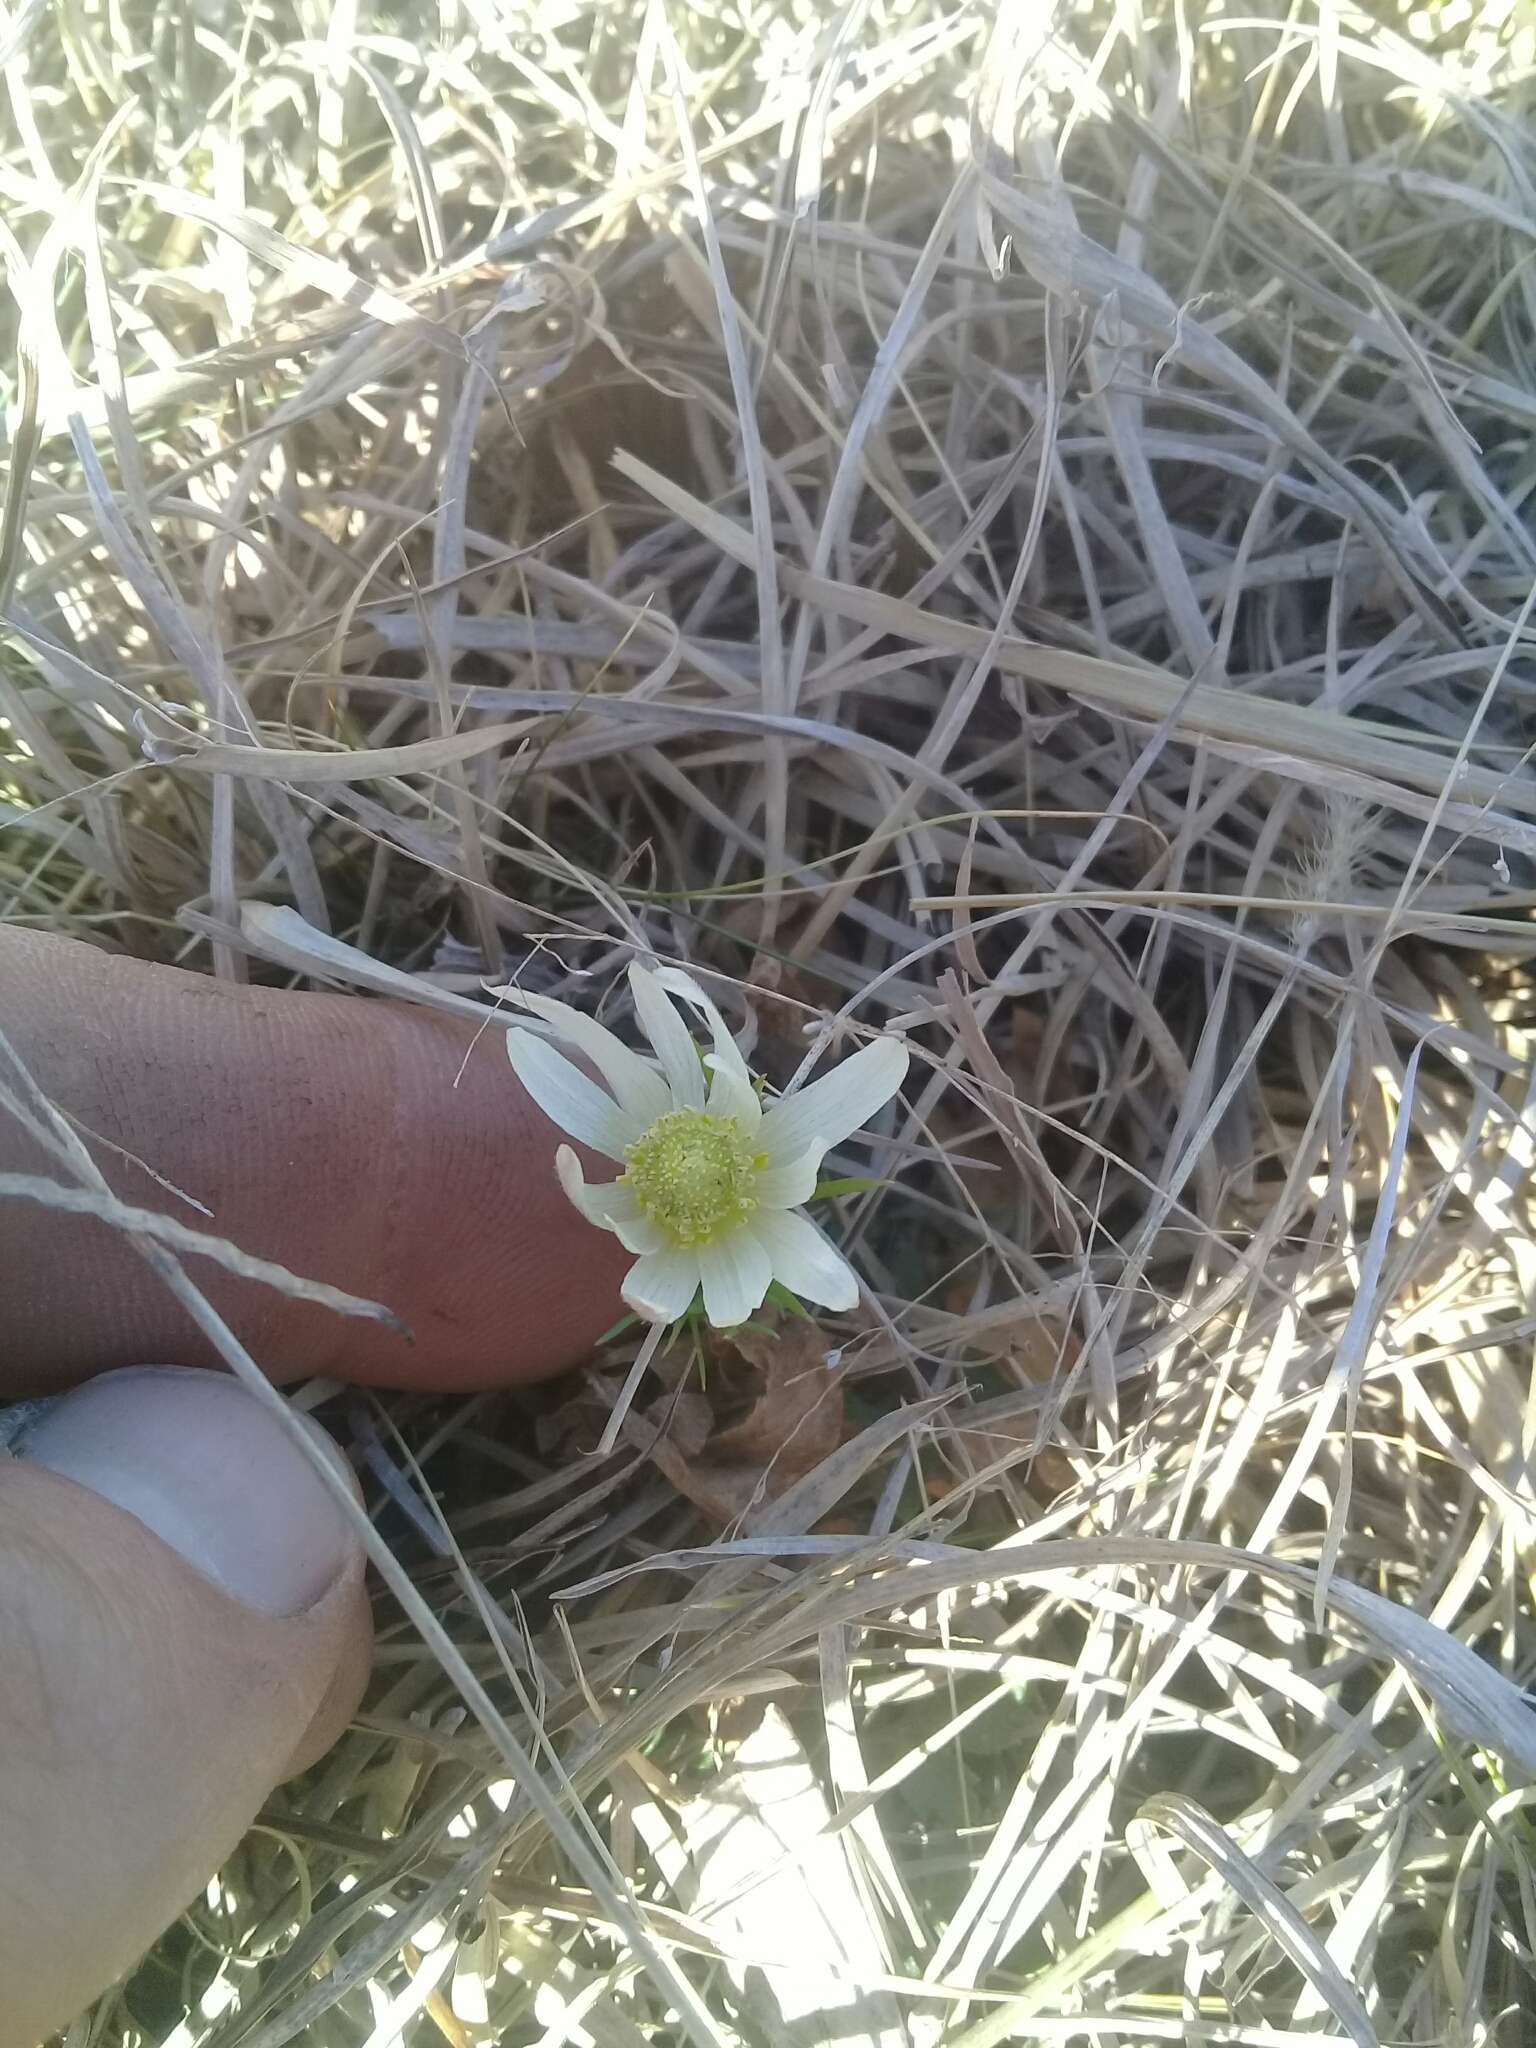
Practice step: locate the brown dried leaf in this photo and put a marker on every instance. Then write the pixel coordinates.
(1040, 1350)
(793, 1420)
(686, 1419)
(725, 1493)
(797, 1419)
(570, 1430)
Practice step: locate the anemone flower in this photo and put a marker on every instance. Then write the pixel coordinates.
(713, 1175)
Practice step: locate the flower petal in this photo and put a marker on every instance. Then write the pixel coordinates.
(787, 1186)
(660, 1287)
(736, 1271)
(568, 1098)
(611, 1205)
(590, 1198)
(727, 1052)
(732, 1094)
(803, 1261)
(679, 982)
(636, 1085)
(674, 1044)
(824, 1113)
(641, 1236)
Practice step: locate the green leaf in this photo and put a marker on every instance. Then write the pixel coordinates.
(692, 1314)
(779, 1296)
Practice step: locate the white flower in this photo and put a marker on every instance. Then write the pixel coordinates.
(712, 1177)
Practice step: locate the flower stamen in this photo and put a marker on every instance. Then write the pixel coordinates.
(693, 1174)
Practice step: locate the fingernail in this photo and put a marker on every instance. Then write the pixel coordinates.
(212, 1472)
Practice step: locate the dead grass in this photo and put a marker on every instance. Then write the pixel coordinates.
(1019, 534)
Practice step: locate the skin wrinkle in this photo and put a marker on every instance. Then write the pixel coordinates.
(325, 1132)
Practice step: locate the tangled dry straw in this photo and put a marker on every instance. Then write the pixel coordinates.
(1012, 528)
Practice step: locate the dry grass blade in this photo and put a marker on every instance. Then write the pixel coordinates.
(201, 1244)
(1285, 1926)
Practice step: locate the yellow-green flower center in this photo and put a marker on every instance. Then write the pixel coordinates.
(693, 1174)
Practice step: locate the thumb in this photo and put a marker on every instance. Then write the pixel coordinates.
(182, 1625)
